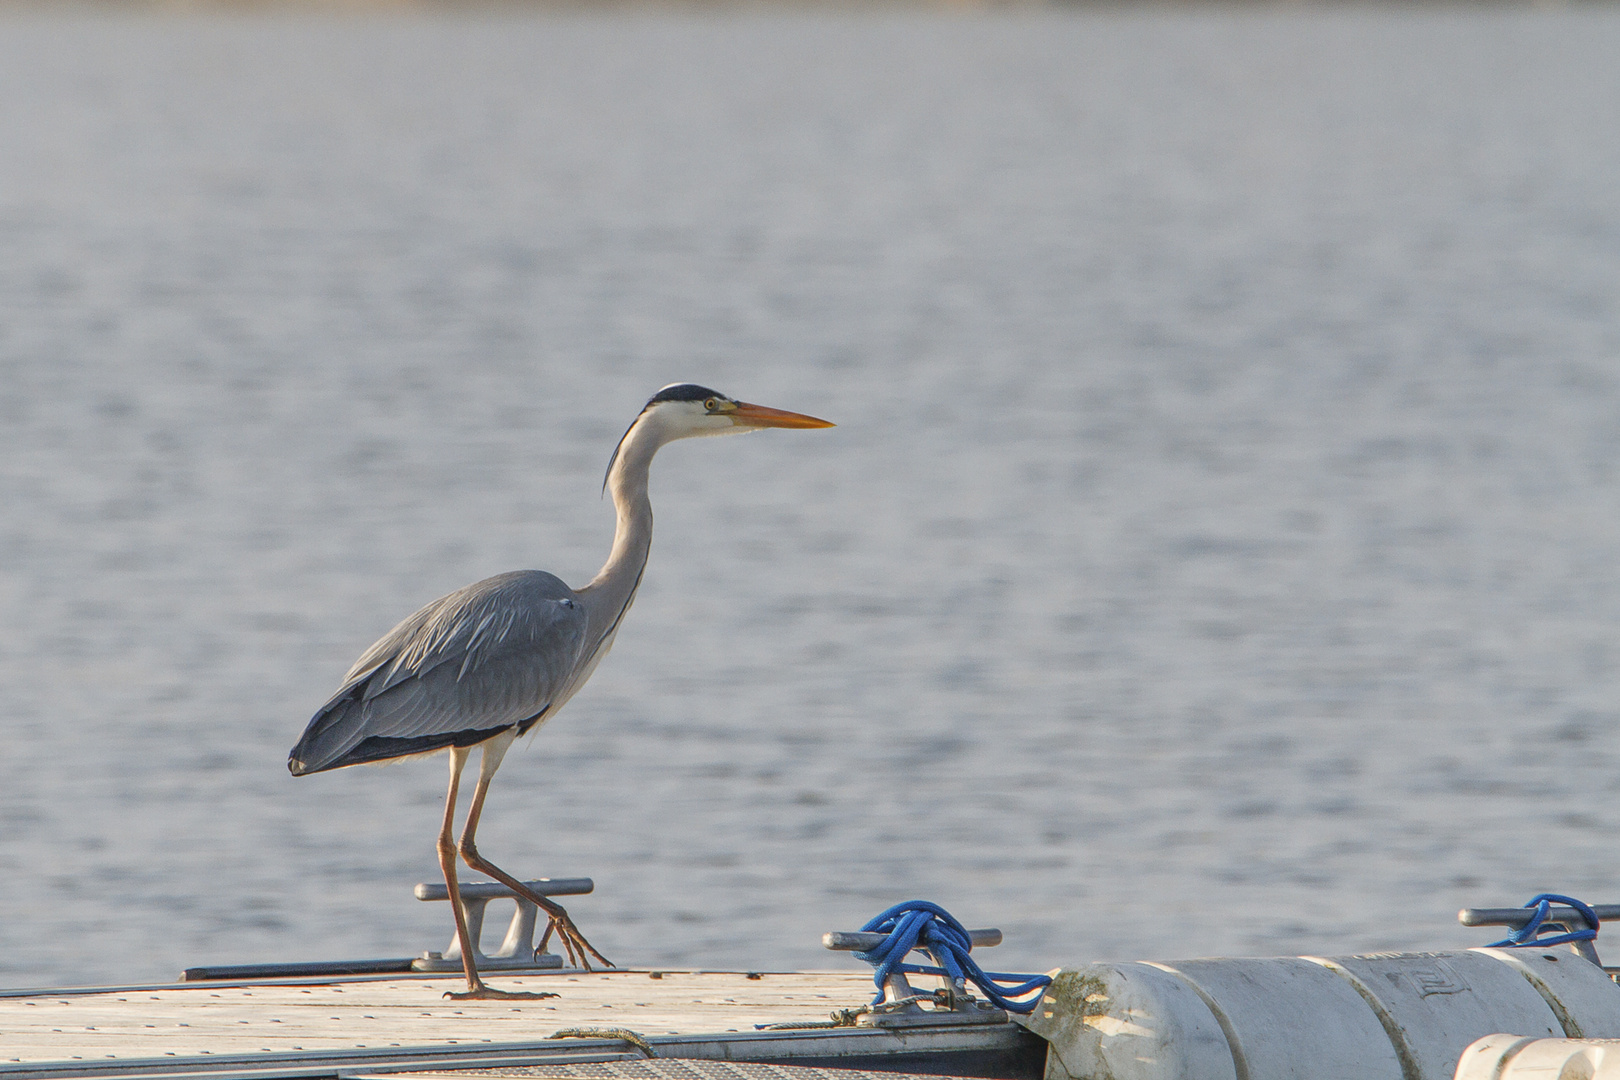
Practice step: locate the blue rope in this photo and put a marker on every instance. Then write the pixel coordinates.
(1525, 937)
(917, 924)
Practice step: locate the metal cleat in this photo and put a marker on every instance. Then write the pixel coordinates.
(517, 951)
(952, 1003)
(1558, 915)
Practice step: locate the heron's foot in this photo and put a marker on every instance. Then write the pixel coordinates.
(573, 942)
(489, 993)
(579, 950)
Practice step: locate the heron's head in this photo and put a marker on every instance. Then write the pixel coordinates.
(687, 410)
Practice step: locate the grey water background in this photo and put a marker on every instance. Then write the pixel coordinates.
(1217, 552)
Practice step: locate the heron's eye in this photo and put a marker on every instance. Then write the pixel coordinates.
(711, 404)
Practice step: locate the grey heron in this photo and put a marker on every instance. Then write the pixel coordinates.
(491, 662)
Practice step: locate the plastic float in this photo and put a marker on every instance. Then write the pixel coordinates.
(1508, 1057)
(1384, 1016)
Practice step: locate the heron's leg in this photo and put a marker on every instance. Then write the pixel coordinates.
(573, 942)
(476, 987)
(447, 864)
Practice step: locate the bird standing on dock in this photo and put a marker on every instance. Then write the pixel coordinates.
(494, 660)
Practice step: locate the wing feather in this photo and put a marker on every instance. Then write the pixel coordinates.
(495, 655)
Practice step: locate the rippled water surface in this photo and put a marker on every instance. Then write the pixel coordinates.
(1217, 552)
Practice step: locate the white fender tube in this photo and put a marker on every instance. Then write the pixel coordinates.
(1509, 1057)
(1387, 1016)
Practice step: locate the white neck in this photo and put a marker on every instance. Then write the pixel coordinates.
(610, 593)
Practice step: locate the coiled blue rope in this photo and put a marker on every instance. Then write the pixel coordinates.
(917, 924)
(1525, 937)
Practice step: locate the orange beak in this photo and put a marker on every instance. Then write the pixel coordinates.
(746, 415)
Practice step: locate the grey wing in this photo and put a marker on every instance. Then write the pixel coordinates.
(491, 657)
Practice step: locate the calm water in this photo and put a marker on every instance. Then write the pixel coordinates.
(1217, 552)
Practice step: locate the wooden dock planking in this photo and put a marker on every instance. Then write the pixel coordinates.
(269, 1018)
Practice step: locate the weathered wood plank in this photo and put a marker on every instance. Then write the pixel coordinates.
(252, 1019)
(1001, 1051)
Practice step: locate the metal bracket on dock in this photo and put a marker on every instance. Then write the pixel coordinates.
(901, 1006)
(1566, 918)
(517, 951)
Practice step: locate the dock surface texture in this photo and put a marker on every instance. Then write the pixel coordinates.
(372, 1026)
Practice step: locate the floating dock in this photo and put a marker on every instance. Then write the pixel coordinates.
(1536, 1005)
(370, 1025)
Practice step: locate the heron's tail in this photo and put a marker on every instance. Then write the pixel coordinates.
(345, 732)
(332, 733)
